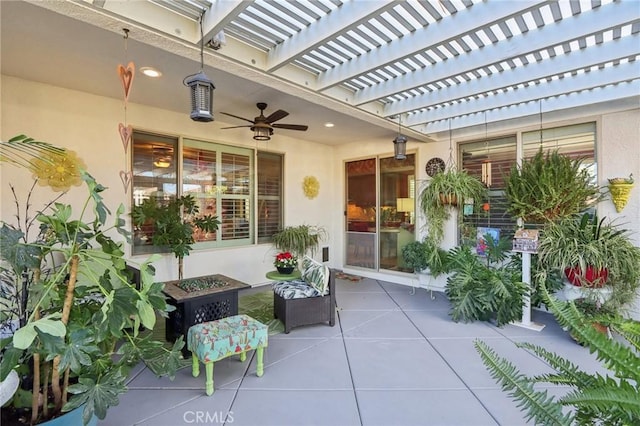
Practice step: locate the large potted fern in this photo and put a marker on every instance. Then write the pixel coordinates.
(548, 187)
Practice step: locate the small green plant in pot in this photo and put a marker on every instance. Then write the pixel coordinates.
(299, 240)
(173, 223)
(445, 191)
(419, 255)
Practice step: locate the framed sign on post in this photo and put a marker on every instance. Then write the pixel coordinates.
(525, 241)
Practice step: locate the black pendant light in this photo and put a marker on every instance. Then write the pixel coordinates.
(400, 144)
(201, 88)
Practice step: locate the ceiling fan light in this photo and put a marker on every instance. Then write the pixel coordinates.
(261, 133)
(201, 97)
(162, 163)
(400, 147)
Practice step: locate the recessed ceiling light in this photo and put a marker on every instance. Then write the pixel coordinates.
(150, 72)
(328, 124)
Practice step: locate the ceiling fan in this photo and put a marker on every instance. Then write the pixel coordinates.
(262, 127)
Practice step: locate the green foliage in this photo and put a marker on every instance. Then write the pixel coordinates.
(549, 187)
(588, 241)
(173, 223)
(593, 398)
(21, 149)
(480, 290)
(456, 184)
(75, 311)
(299, 239)
(420, 255)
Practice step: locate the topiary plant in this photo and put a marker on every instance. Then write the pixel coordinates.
(173, 224)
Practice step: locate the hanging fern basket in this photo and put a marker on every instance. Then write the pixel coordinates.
(620, 193)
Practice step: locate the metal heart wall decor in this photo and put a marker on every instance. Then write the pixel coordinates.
(126, 78)
(125, 177)
(125, 135)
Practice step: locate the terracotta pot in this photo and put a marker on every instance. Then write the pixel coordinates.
(592, 278)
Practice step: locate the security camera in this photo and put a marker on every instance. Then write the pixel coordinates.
(217, 41)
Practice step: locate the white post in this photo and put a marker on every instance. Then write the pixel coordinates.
(526, 306)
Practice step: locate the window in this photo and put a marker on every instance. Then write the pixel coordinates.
(269, 195)
(491, 161)
(221, 179)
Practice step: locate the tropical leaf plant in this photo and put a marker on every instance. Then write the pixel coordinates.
(481, 290)
(594, 399)
(75, 311)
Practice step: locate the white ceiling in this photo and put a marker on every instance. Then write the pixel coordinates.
(359, 63)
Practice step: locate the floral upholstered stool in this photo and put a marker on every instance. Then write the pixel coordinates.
(215, 340)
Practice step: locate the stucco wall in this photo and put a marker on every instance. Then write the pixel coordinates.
(88, 124)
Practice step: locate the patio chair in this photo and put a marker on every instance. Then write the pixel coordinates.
(306, 301)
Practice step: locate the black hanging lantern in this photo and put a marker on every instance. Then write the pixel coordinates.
(400, 144)
(201, 96)
(201, 88)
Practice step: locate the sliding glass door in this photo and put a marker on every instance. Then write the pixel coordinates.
(380, 213)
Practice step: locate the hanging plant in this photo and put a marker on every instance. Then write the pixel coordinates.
(548, 187)
(445, 191)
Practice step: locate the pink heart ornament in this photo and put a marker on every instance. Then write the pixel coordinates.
(126, 77)
(126, 177)
(125, 135)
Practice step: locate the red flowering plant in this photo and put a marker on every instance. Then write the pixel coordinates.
(285, 260)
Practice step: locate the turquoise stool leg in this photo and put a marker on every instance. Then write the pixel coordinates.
(195, 365)
(259, 364)
(209, 382)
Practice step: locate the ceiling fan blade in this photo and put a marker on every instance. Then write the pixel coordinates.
(290, 127)
(233, 127)
(278, 115)
(236, 116)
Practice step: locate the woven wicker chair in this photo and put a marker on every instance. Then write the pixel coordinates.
(307, 310)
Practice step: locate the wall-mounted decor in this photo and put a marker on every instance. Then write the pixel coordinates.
(311, 187)
(620, 189)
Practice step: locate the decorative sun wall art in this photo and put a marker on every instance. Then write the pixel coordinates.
(311, 187)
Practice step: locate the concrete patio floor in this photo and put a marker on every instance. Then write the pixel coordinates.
(393, 358)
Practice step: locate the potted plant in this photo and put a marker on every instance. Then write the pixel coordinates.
(549, 187)
(420, 255)
(444, 191)
(620, 189)
(79, 315)
(299, 239)
(174, 222)
(484, 289)
(591, 252)
(285, 262)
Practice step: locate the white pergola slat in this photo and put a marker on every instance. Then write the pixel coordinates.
(437, 62)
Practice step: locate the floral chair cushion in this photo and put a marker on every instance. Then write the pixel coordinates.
(316, 274)
(296, 289)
